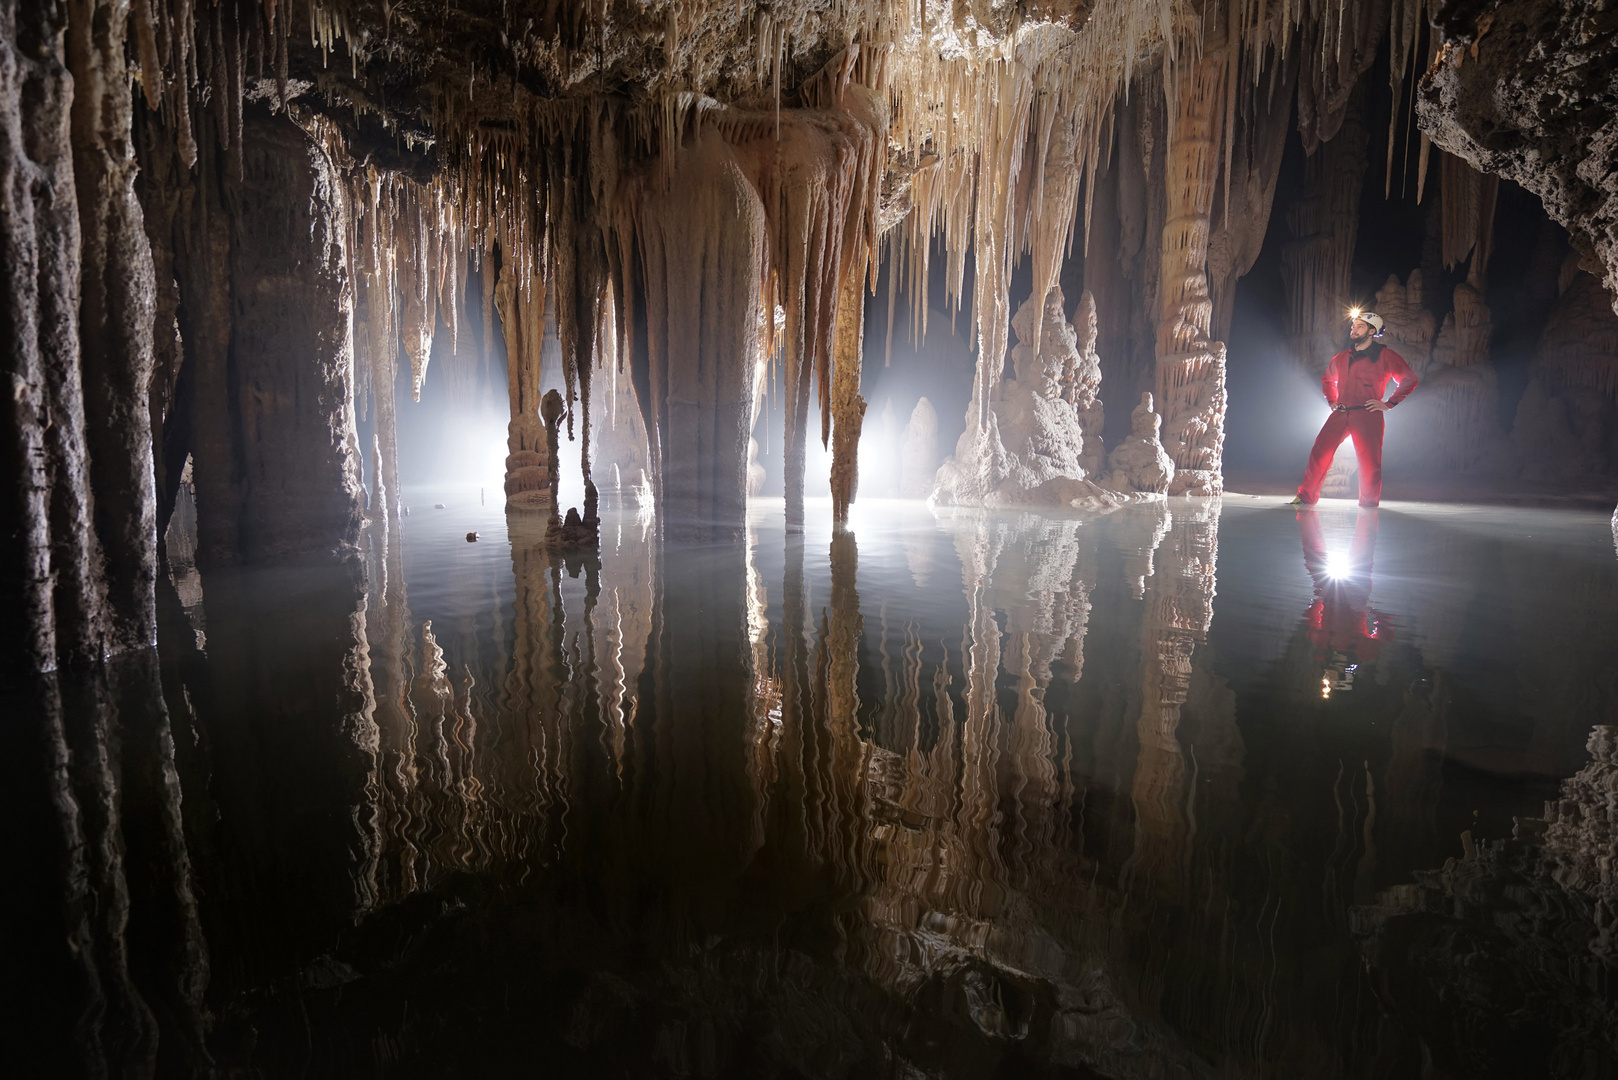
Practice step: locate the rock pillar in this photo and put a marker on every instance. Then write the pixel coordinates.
(1190, 366)
(291, 346)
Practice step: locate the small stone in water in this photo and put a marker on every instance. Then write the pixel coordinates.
(438, 506)
(471, 538)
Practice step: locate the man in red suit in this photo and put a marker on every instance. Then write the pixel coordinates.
(1354, 383)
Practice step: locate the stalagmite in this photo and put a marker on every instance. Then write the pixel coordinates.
(1081, 386)
(1190, 367)
(1409, 325)
(1140, 463)
(918, 452)
(1031, 450)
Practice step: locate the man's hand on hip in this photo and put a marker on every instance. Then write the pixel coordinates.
(1377, 406)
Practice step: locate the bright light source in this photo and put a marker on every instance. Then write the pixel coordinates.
(1353, 313)
(1339, 565)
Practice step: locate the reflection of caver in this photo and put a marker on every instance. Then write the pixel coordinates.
(1354, 383)
(1344, 628)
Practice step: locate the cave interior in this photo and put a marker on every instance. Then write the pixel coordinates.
(633, 342)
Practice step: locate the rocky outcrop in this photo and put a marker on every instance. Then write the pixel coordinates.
(1523, 90)
(1140, 463)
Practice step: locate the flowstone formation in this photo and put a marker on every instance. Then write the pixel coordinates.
(1033, 449)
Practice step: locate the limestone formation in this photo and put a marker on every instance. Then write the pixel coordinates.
(918, 452)
(1501, 97)
(1567, 418)
(1139, 463)
(1029, 451)
(1409, 327)
(1461, 383)
(1081, 384)
(1190, 366)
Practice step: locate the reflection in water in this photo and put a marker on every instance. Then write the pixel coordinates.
(796, 806)
(1345, 629)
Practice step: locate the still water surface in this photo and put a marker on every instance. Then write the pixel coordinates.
(1185, 790)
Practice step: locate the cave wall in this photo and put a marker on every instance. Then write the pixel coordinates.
(1497, 97)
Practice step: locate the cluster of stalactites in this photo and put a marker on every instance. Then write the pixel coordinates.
(998, 139)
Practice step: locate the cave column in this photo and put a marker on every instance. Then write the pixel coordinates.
(847, 405)
(529, 465)
(1190, 366)
(291, 351)
(701, 243)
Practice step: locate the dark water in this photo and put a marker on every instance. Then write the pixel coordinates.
(1194, 790)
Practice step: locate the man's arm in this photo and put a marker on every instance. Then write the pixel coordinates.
(1328, 382)
(1401, 373)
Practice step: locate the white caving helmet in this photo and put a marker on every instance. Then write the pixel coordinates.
(1371, 317)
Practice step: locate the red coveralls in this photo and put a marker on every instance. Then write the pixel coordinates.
(1355, 377)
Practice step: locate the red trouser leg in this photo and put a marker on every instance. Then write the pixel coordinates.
(1331, 436)
(1366, 427)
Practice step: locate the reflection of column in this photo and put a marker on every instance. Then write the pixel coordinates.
(1180, 609)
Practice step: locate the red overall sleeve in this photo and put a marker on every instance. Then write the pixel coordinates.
(1395, 368)
(1328, 382)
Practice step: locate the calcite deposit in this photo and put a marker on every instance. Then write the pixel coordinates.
(1031, 448)
(1139, 463)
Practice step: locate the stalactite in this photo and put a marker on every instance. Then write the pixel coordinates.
(1323, 221)
(1467, 202)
